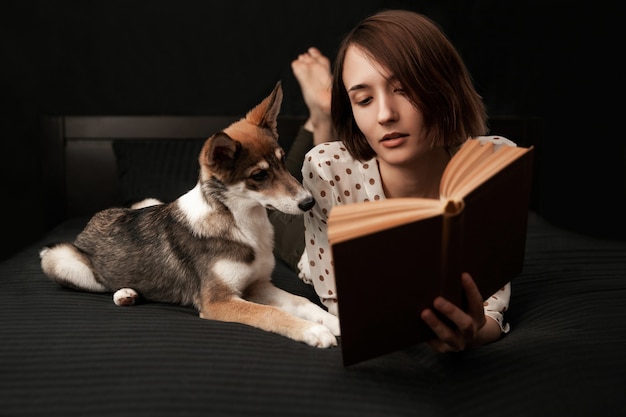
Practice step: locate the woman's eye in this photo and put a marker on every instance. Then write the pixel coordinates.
(259, 176)
(364, 102)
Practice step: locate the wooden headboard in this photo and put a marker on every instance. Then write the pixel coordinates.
(79, 169)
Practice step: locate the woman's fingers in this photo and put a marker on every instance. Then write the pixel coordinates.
(474, 299)
(465, 324)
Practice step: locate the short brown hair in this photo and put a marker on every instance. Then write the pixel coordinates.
(417, 52)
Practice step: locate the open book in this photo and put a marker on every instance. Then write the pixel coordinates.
(393, 257)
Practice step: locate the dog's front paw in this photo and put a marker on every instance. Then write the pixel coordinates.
(332, 322)
(318, 335)
(316, 314)
(125, 297)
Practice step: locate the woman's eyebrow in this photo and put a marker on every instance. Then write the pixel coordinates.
(357, 87)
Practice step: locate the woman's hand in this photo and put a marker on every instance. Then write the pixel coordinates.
(473, 328)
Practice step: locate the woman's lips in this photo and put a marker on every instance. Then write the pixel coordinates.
(393, 140)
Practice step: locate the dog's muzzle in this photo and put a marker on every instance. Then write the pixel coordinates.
(306, 204)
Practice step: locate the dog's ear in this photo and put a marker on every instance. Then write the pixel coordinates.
(266, 113)
(222, 151)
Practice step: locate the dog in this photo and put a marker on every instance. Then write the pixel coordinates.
(212, 247)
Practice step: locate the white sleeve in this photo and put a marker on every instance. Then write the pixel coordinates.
(316, 262)
(497, 304)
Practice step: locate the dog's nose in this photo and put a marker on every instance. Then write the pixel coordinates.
(306, 204)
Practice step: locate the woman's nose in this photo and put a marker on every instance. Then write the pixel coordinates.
(386, 111)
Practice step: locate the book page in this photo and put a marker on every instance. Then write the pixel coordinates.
(358, 219)
(467, 159)
(472, 165)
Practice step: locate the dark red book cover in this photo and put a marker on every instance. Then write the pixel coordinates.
(385, 279)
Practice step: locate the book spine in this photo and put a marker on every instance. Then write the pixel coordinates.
(452, 255)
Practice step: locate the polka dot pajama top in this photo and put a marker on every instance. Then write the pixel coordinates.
(335, 178)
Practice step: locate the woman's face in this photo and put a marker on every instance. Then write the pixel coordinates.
(392, 125)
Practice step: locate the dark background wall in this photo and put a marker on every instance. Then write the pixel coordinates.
(536, 59)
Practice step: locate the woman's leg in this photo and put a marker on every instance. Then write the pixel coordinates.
(312, 70)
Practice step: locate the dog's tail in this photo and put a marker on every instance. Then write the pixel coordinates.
(146, 203)
(65, 264)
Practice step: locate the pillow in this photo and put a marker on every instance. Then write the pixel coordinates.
(159, 168)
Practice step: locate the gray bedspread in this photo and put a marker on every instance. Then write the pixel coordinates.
(68, 353)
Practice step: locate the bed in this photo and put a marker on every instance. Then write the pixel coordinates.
(69, 353)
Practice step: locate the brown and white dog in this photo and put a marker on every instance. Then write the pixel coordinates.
(212, 247)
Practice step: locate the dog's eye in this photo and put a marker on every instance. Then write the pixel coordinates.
(259, 176)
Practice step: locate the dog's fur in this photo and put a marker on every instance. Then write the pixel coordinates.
(212, 247)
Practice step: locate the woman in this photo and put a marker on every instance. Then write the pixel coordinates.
(402, 103)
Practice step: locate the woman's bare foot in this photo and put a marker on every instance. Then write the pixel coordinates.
(312, 70)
